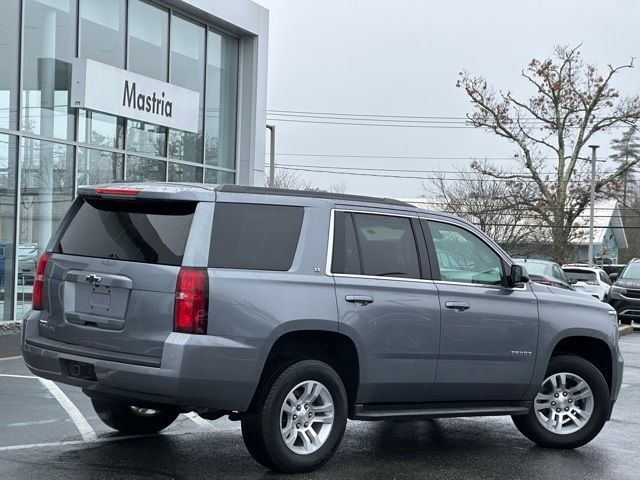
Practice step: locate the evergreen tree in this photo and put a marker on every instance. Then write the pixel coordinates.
(627, 149)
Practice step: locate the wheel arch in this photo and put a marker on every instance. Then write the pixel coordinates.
(592, 349)
(336, 349)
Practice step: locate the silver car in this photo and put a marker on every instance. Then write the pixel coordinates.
(293, 311)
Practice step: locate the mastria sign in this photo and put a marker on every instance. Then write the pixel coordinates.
(107, 89)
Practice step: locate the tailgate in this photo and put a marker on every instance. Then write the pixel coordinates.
(110, 280)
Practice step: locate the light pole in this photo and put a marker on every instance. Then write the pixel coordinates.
(272, 156)
(593, 200)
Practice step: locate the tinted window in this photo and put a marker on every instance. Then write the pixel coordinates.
(631, 271)
(387, 246)
(255, 237)
(150, 232)
(345, 249)
(582, 276)
(463, 257)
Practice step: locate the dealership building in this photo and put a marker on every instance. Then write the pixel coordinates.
(93, 91)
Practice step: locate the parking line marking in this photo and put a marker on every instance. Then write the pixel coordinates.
(10, 358)
(92, 442)
(37, 445)
(199, 420)
(17, 376)
(86, 432)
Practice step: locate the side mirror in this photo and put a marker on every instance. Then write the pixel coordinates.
(518, 275)
(572, 281)
(613, 277)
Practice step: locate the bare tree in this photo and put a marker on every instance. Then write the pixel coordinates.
(571, 103)
(487, 202)
(289, 180)
(338, 187)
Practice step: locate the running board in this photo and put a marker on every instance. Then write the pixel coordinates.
(414, 412)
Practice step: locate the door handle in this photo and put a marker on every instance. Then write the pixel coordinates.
(458, 306)
(359, 299)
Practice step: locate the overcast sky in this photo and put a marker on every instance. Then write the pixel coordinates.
(402, 57)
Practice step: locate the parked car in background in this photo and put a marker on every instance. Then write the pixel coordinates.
(590, 280)
(613, 268)
(27, 261)
(545, 272)
(625, 293)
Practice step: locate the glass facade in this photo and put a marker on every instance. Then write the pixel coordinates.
(48, 148)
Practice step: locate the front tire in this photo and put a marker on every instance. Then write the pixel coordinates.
(571, 407)
(299, 418)
(132, 420)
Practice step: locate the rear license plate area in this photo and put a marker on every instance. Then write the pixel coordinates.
(97, 306)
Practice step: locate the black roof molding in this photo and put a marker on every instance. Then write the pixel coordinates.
(310, 194)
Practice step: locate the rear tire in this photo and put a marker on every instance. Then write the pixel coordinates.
(312, 393)
(556, 421)
(131, 420)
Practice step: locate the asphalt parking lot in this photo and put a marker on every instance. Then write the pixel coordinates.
(49, 431)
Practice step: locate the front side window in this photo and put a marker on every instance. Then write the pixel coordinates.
(255, 237)
(463, 257)
(559, 274)
(387, 246)
(605, 278)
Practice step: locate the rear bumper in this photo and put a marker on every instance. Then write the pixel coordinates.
(195, 371)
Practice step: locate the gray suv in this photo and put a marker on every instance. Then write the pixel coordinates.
(294, 311)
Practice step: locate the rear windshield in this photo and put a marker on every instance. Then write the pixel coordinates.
(255, 237)
(149, 232)
(536, 268)
(582, 276)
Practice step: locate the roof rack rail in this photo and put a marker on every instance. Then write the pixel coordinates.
(311, 194)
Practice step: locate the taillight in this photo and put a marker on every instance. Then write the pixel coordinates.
(191, 307)
(38, 283)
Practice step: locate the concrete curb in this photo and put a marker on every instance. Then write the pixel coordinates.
(625, 330)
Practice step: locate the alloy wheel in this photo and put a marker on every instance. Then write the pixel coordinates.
(564, 404)
(306, 417)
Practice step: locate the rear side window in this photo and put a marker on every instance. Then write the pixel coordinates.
(387, 246)
(255, 237)
(345, 248)
(140, 231)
